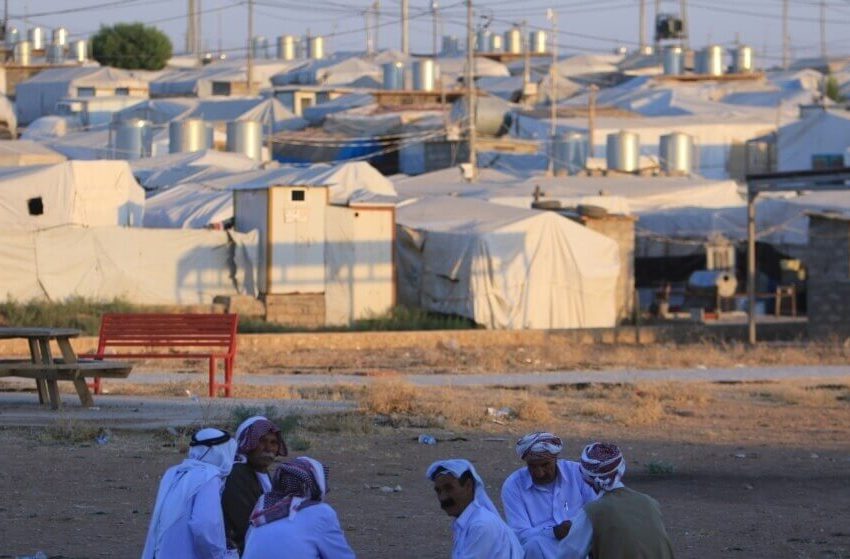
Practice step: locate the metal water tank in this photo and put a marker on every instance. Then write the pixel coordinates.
(132, 138)
(260, 47)
(60, 36)
(393, 75)
(23, 53)
(537, 42)
(513, 40)
(12, 37)
(676, 152)
(492, 115)
(496, 43)
(623, 151)
(674, 61)
(710, 61)
(286, 47)
(484, 41)
(35, 35)
(570, 153)
(55, 54)
(192, 134)
(80, 50)
(450, 46)
(245, 137)
(424, 75)
(743, 62)
(316, 48)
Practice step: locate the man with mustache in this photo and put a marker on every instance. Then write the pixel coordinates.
(260, 443)
(479, 531)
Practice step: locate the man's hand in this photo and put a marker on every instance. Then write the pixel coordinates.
(562, 529)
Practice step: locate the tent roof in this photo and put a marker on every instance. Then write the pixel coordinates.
(17, 153)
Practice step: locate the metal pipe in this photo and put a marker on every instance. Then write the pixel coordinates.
(470, 92)
(751, 264)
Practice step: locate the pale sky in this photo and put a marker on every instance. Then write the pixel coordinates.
(584, 25)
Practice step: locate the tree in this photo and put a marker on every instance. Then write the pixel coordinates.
(132, 46)
(833, 89)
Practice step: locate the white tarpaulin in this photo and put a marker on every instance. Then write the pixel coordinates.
(143, 266)
(503, 267)
(92, 193)
(823, 133)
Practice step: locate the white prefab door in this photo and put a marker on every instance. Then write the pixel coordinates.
(297, 239)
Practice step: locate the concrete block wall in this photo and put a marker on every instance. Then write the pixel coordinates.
(621, 229)
(828, 285)
(306, 310)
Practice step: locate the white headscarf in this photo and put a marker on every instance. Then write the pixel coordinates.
(457, 467)
(602, 465)
(210, 456)
(539, 443)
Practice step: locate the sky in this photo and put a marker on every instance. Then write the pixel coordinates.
(583, 25)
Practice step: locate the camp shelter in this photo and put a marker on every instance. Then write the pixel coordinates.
(23, 153)
(504, 268)
(88, 193)
(818, 141)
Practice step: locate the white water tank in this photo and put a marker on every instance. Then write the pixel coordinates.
(623, 151)
(676, 152)
(192, 134)
(674, 60)
(55, 54)
(537, 42)
(260, 47)
(496, 42)
(570, 153)
(132, 139)
(286, 47)
(35, 35)
(60, 36)
(23, 53)
(316, 48)
(710, 61)
(743, 62)
(245, 137)
(12, 37)
(393, 73)
(484, 42)
(513, 40)
(80, 50)
(425, 73)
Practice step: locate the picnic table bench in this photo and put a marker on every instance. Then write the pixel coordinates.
(171, 336)
(47, 370)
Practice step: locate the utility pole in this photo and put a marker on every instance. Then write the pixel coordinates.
(683, 8)
(785, 47)
(591, 118)
(823, 29)
(526, 62)
(190, 27)
(434, 6)
(250, 70)
(553, 90)
(377, 7)
(405, 27)
(642, 24)
(470, 93)
(655, 25)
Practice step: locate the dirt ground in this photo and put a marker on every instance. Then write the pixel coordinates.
(741, 470)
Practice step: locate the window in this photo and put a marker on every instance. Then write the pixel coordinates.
(35, 206)
(298, 196)
(122, 91)
(221, 88)
(85, 92)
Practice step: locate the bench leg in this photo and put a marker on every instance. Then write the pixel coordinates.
(83, 392)
(213, 385)
(41, 387)
(228, 377)
(53, 393)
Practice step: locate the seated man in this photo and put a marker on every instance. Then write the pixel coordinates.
(186, 520)
(259, 444)
(293, 521)
(622, 522)
(540, 499)
(479, 531)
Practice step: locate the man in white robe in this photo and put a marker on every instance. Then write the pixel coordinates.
(541, 499)
(187, 521)
(478, 530)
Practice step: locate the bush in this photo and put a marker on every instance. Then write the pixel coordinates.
(132, 46)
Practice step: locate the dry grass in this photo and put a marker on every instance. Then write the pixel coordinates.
(389, 397)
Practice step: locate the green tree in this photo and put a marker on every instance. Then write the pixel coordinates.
(833, 89)
(132, 46)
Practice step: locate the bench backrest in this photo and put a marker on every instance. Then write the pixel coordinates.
(141, 330)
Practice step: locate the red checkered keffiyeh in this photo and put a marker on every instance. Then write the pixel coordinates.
(249, 437)
(294, 487)
(602, 465)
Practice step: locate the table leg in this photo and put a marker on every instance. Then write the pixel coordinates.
(52, 384)
(83, 392)
(40, 384)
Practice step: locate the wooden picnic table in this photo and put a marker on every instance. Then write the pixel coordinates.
(47, 370)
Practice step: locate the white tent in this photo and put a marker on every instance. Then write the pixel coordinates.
(90, 193)
(22, 153)
(165, 171)
(198, 81)
(504, 267)
(143, 266)
(822, 133)
(208, 202)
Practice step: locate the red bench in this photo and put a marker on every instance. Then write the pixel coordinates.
(171, 336)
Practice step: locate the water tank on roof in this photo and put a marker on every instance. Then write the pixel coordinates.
(23, 53)
(424, 75)
(286, 47)
(35, 35)
(496, 43)
(245, 137)
(513, 40)
(537, 42)
(493, 115)
(674, 61)
(450, 46)
(483, 41)
(676, 152)
(260, 47)
(743, 62)
(55, 54)
(12, 37)
(80, 50)
(393, 75)
(316, 48)
(192, 134)
(60, 36)
(570, 153)
(623, 151)
(132, 138)
(710, 61)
